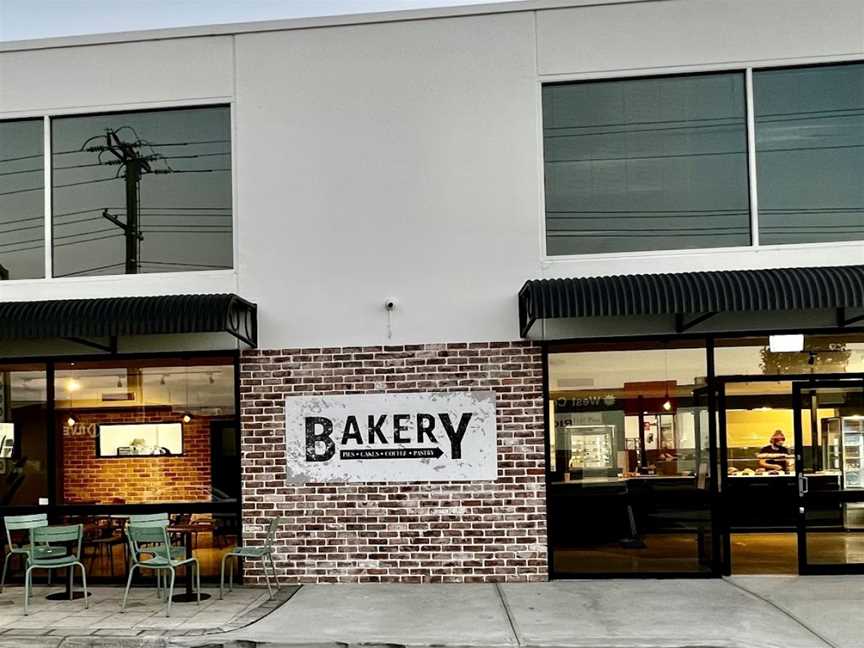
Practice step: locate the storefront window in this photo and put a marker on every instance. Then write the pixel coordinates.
(22, 195)
(23, 435)
(146, 432)
(629, 460)
(142, 192)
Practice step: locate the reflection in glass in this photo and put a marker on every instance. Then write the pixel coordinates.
(146, 431)
(822, 354)
(23, 430)
(833, 422)
(142, 192)
(629, 461)
(646, 164)
(810, 153)
(22, 216)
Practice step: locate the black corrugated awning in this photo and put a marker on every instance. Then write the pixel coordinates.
(695, 294)
(121, 316)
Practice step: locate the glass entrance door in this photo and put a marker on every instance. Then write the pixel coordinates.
(829, 468)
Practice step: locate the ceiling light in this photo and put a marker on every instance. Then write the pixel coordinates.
(72, 385)
(187, 418)
(71, 421)
(667, 405)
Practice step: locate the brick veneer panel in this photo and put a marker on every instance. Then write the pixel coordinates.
(140, 479)
(398, 532)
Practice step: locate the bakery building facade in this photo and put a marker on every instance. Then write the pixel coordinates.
(494, 293)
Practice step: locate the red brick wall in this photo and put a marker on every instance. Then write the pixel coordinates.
(141, 479)
(399, 532)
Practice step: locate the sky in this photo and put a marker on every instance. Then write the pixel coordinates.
(28, 19)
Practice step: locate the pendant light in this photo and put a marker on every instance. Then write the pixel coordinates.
(187, 415)
(667, 402)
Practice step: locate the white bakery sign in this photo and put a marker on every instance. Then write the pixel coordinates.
(444, 436)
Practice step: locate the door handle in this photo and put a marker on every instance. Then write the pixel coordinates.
(803, 485)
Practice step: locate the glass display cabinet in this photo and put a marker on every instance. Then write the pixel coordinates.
(843, 448)
(592, 451)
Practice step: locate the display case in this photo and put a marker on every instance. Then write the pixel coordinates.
(591, 450)
(843, 448)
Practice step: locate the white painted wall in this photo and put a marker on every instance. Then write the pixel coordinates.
(400, 161)
(403, 159)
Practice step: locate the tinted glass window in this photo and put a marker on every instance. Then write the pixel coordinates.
(142, 192)
(22, 214)
(629, 451)
(146, 431)
(810, 153)
(23, 435)
(646, 164)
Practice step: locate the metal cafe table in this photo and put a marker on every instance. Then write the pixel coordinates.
(187, 531)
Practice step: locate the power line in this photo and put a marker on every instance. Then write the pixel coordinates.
(99, 231)
(22, 157)
(161, 172)
(77, 272)
(220, 141)
(80, 211)
(100, 238)
(180, 208)
(17, 191)
(8, 173)
(194, 155)
(78, 220)
(21, 229)
(75, 184)
(21, 220)
(56, 245)
(190, 225)
(169, 231)
(190, 265)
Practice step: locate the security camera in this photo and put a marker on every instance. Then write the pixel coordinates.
(390, 303)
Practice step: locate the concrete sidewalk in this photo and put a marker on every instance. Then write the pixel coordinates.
(757, 612)
(745, 612)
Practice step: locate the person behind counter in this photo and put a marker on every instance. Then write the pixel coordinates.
(775, 455)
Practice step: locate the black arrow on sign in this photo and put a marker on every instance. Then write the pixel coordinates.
(392, 453)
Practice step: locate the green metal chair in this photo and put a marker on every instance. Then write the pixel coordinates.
(26, 523)
(152, 538)
(39, 560)
(157, 519)
(264, 553)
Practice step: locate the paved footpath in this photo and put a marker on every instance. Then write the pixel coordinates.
(744, 612)
(751, 612)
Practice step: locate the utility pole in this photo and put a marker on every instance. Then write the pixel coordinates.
(134, 166)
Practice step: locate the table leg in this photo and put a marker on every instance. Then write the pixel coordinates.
(189, 595)
(187, 538)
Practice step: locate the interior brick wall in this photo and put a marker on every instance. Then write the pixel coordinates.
(87, 477)
(407, 531)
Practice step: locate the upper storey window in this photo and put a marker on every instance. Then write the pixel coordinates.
(667, 163)
(810, 153)
(22, 196)
(142, 192)
(646, 164)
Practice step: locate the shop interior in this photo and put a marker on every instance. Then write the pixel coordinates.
(90, 441)
(637, 487)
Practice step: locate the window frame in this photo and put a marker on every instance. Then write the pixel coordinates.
(664, 72)
(48, 115)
